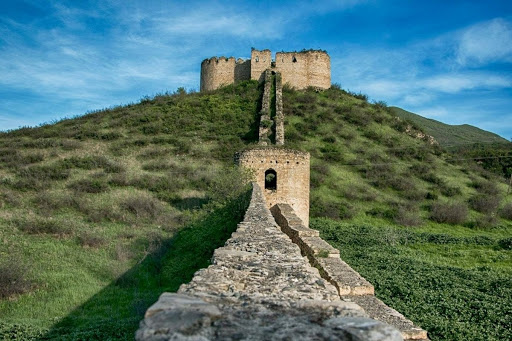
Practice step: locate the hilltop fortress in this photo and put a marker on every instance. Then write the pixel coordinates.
(298, 69)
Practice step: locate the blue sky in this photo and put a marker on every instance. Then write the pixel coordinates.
(447, 60)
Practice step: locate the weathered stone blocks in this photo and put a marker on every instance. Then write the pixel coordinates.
(259, 287)
(298, 69)
(351, 286)
(292, 172)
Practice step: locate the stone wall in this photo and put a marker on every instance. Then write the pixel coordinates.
(259, 287)
(216, 72)
(260, 61)
(279, 119)
(292, 169)
(351, 286)
(298, 69)
(265, 121)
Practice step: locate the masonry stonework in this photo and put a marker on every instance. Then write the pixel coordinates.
(259, 287)
(260, 61)
(216, 72)
(292, 172)
(298, 69)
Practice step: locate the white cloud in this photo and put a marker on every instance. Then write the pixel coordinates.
(486, 42)
(454, 83)
(417, 98)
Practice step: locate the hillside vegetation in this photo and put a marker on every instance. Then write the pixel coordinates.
(101, 213)
(447, 135)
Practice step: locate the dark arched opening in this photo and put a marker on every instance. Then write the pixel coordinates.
(271, 180)
(294, 59)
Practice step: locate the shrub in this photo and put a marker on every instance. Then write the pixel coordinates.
(358, 117)
(381, 105)
(89, 240)
(347, 135)
(373, 135)
(505, 243)
(41, 226)
(331, 152)
(485, 203)
(92, 162)
(9, 198)
(506, 211)
(450, 213)
(486, 221)
(449, 191)
(13, 158)
(400, 125)
(145, 207)
(13, 278)
(329, 139)
(120, 180)
(229, 182)
(407, 216)
(153, 153)
(486, 187)
(89, 186)
(46, 201)
(44, 173)
(333, 210)
(157, 165)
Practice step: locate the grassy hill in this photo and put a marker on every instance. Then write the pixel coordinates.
(101, 213)
(450, 135)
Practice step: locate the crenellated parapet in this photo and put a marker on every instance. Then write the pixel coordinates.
(219, 71)
(299, 69)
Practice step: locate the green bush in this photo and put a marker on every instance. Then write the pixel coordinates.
(142, 206)
(44, 173)
(13, 278)
(450, 213)
(41, 226)
(506, 211)
(89, 186)
(90, 240)
(485, 203)
(486, 187)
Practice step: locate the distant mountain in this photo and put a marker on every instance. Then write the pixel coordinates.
(447, 135)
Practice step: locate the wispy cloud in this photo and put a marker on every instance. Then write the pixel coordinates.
(486, 42)
(454, 83)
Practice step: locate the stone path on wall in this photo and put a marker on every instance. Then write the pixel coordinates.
(266, 119)
(351, 286)
(259, 287)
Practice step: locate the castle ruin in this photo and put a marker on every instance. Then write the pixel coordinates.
(275, 278)
(299, 69)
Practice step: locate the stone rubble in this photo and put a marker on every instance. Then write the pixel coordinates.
(259, 287)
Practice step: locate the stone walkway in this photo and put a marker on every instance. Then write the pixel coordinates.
(259, 287)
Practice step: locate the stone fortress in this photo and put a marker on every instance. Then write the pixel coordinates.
(275, 278)
(299, 69)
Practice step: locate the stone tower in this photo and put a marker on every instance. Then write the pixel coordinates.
(282, 174)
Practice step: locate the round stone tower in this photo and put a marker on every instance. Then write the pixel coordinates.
(283, 175)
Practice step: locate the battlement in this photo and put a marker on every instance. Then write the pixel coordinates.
(223, 59)
(299, 69)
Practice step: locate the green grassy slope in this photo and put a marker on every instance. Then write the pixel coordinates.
(450, 135)
(106, 211)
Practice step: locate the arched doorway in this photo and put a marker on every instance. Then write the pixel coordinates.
(271, 180)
